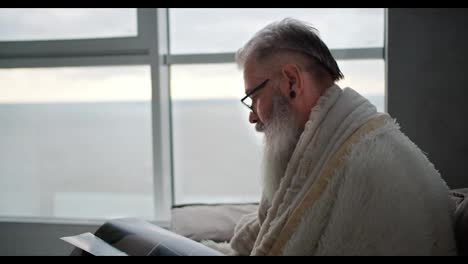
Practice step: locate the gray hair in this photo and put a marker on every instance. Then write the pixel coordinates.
(289, 35)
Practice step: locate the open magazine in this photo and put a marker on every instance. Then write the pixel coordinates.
(135, 237)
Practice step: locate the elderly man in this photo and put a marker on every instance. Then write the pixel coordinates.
(340, 178)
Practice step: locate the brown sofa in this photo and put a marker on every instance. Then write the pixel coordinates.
(216, 222)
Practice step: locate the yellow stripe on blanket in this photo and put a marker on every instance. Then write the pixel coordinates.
(320, 184)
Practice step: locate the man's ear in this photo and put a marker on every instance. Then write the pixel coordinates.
(293, 75)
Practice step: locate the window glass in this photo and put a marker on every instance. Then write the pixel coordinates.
(76, 142)
(27, 24)
(210, 30)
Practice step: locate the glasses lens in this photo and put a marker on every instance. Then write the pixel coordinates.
(248, 101)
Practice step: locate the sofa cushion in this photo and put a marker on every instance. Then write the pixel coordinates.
(209, 222)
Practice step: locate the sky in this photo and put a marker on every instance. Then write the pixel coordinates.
(193, 30)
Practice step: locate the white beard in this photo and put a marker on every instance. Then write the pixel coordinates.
(281, 136)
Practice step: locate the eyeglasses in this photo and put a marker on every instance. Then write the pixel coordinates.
(247, 100)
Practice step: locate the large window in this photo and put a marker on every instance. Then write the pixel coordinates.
(111, 113)
(78, 141)
(216, 152)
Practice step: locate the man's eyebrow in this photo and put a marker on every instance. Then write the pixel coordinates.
(251, 90)
(248, 91)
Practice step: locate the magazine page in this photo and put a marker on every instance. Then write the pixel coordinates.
(93, 245)
(137, 237)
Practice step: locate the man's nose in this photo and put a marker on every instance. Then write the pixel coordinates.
(253, 118)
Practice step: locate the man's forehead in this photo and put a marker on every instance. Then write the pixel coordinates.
(251, 84)
(254, 74)
(252, 80)
(256, 87)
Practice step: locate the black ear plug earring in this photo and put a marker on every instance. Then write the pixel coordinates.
(292, 93)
